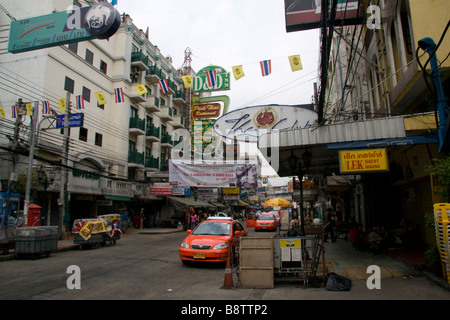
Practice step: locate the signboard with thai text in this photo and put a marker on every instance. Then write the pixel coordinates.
(75, 120)
(361, 161)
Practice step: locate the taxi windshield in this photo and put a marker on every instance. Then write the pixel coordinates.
(265, 217)
(213, 229)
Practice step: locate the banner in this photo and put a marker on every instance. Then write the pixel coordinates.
(213, 174)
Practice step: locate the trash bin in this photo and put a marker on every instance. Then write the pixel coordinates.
(35, 241)
(34, 215)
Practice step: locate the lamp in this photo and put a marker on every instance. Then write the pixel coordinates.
(292, 161)
(307, 156)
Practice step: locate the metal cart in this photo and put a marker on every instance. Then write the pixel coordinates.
(36, 241)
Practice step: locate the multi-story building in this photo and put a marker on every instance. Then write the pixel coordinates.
(119, 143)
(374, 73)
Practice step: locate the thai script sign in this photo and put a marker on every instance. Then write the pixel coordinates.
(99, 21)
(245, 124)
(369, 160)
(75, 120)
(207, 173)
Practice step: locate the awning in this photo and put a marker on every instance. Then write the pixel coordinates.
(187, 202)
(118, 198)
(217, 204)
(382, 143)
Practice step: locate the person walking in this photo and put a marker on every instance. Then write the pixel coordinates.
(193, 218)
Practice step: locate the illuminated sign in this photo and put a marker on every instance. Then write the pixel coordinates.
(99, 21)
(246, 124)
(361, 161)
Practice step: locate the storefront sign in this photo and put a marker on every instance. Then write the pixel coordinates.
(206, 110)
(161, 189)
(99, 21)
(211, 78)
(231, 191)
(370, 160)
(247, 124)
(181, 191)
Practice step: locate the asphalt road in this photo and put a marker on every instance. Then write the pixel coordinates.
(147, 267)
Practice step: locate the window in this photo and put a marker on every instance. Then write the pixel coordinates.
(83, 134)
(69, 85)
(103, 66)
(73, 47)
(133, 112)
(86, 94)
(89, 56)
(98, 139)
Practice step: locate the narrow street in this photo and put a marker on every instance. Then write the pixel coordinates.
(146, 267)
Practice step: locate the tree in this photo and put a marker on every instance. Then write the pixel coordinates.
(441, 171)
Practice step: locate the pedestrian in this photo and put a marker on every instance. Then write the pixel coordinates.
(193, 218)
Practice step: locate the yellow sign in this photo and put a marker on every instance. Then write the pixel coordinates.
(369, 160)
(231, 190)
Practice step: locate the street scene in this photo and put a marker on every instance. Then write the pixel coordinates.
(196, 151)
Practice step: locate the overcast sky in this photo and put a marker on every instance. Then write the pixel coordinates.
(233, 32)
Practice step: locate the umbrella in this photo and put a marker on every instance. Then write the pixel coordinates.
(277, 202)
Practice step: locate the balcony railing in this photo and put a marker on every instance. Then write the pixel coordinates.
(140, 58)
(136, 157)
(152, 131)
(152, 162)
(166, 138)
(137, 123)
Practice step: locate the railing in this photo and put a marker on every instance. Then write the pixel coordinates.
(139, 56)
(137, 123)
(152, 162)
(152, 131)
(135, 157)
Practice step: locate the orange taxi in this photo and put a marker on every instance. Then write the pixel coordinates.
(210, 240)
(266, 221)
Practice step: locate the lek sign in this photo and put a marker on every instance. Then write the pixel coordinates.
(99, 21)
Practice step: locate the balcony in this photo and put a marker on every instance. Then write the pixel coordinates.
(151, 104)
(152, 133)
(152, 163)
(179, 96)
(135, 159)
(134, 95)
(164, 166)
(137, 126)
(178, 122)
(153, 74)
(140, 60)
(166, 114)
(166, 140)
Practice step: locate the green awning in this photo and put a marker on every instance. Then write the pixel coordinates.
(118, 198)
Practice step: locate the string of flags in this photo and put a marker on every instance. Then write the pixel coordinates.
(141, 89)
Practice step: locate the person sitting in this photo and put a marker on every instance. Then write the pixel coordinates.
(376, 240)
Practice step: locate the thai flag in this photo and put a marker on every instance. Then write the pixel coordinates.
(211, 77)
(15, 111)
(80, 102)
(164, 86)
(119, 95)
(266, 67)
(45, 107)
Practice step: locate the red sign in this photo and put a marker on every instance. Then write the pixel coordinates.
(206, 110)
(161, 189)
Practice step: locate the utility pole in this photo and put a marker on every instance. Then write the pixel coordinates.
(33, 141)
(63, 199)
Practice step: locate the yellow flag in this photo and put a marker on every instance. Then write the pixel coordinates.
(238, 72)
(29, 107)
(187, 80)
(2, 113)
(296, 63)
(100, 98)
(62, 104)
(141, 89)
